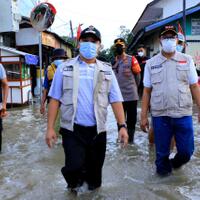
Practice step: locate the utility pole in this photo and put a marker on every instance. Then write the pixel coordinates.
(71, 28)
(184, 21)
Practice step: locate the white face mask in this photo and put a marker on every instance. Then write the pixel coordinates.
(179, 48)
(168, 45)
(141, 53)
(58, 62)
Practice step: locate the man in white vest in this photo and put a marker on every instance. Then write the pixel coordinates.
(83, 87)
(170, 82)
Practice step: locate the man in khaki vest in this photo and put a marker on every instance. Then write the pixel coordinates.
(83, 87)
(170, 82)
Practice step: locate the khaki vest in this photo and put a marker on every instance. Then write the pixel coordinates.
(102, 83)
(171, 95)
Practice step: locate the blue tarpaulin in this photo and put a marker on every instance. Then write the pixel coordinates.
(31, 59)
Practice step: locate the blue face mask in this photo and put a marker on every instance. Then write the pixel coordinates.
(179, 48)
(88, 50)
(57, 62)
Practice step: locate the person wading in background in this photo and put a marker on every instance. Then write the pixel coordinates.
(127, 71)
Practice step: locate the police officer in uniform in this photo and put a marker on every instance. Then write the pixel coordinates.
(84, 87)
(127, 71)
(170, 81)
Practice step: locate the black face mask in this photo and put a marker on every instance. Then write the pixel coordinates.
(119, 50)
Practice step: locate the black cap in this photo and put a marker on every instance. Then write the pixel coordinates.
(168, 28)
(91, 30)
(59, 53)
(120, 41)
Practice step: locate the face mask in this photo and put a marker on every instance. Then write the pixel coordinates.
(119, 50)
(168, 45)
(179, 48)
(57, 62)
(141, 53)
(88, 50)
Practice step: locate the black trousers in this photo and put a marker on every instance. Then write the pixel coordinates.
(130, 111)
(1, 128)
(84, 156)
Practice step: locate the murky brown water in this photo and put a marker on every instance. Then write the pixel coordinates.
(31, 171)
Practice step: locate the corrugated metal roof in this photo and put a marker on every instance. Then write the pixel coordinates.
(12, 50)
(29, 58)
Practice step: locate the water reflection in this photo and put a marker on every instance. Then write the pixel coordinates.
(29, 170)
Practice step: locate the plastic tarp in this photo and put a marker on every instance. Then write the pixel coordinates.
(31, 59)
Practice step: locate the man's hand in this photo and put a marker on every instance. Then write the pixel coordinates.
(123, 136)
(3, 112)
(144, 123)
(42, 109)
(51, 138)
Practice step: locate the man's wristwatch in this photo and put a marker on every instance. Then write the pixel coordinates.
(119, 126)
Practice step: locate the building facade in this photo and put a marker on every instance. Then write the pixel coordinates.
(157, 14)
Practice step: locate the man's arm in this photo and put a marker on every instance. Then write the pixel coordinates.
(195, 90)
(119, 115)
(144, 123)
(52, 114)
(5, 89)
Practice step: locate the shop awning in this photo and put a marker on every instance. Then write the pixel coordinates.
(30, 59)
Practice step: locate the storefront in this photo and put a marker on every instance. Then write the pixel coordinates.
(17, 65)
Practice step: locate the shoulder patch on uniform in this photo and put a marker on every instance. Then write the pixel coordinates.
(68, 68)
(156, 66)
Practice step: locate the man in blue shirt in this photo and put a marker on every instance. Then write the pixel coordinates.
(83, 87)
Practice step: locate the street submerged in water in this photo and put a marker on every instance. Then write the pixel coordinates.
(30, 170)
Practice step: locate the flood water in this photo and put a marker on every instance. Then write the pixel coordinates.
(31, 171)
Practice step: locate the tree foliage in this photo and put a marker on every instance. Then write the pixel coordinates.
(108, 54)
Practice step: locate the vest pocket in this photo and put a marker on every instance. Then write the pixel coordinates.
(103, 99)
(102, 108)
(157, 75)
(68, 81)
(182, 72)
(105, 84)
(66, 112)
(157, 100)
(185, 98)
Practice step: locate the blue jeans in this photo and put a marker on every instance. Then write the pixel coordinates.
(182, 130)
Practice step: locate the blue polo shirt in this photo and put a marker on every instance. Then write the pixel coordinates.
(85, 107)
